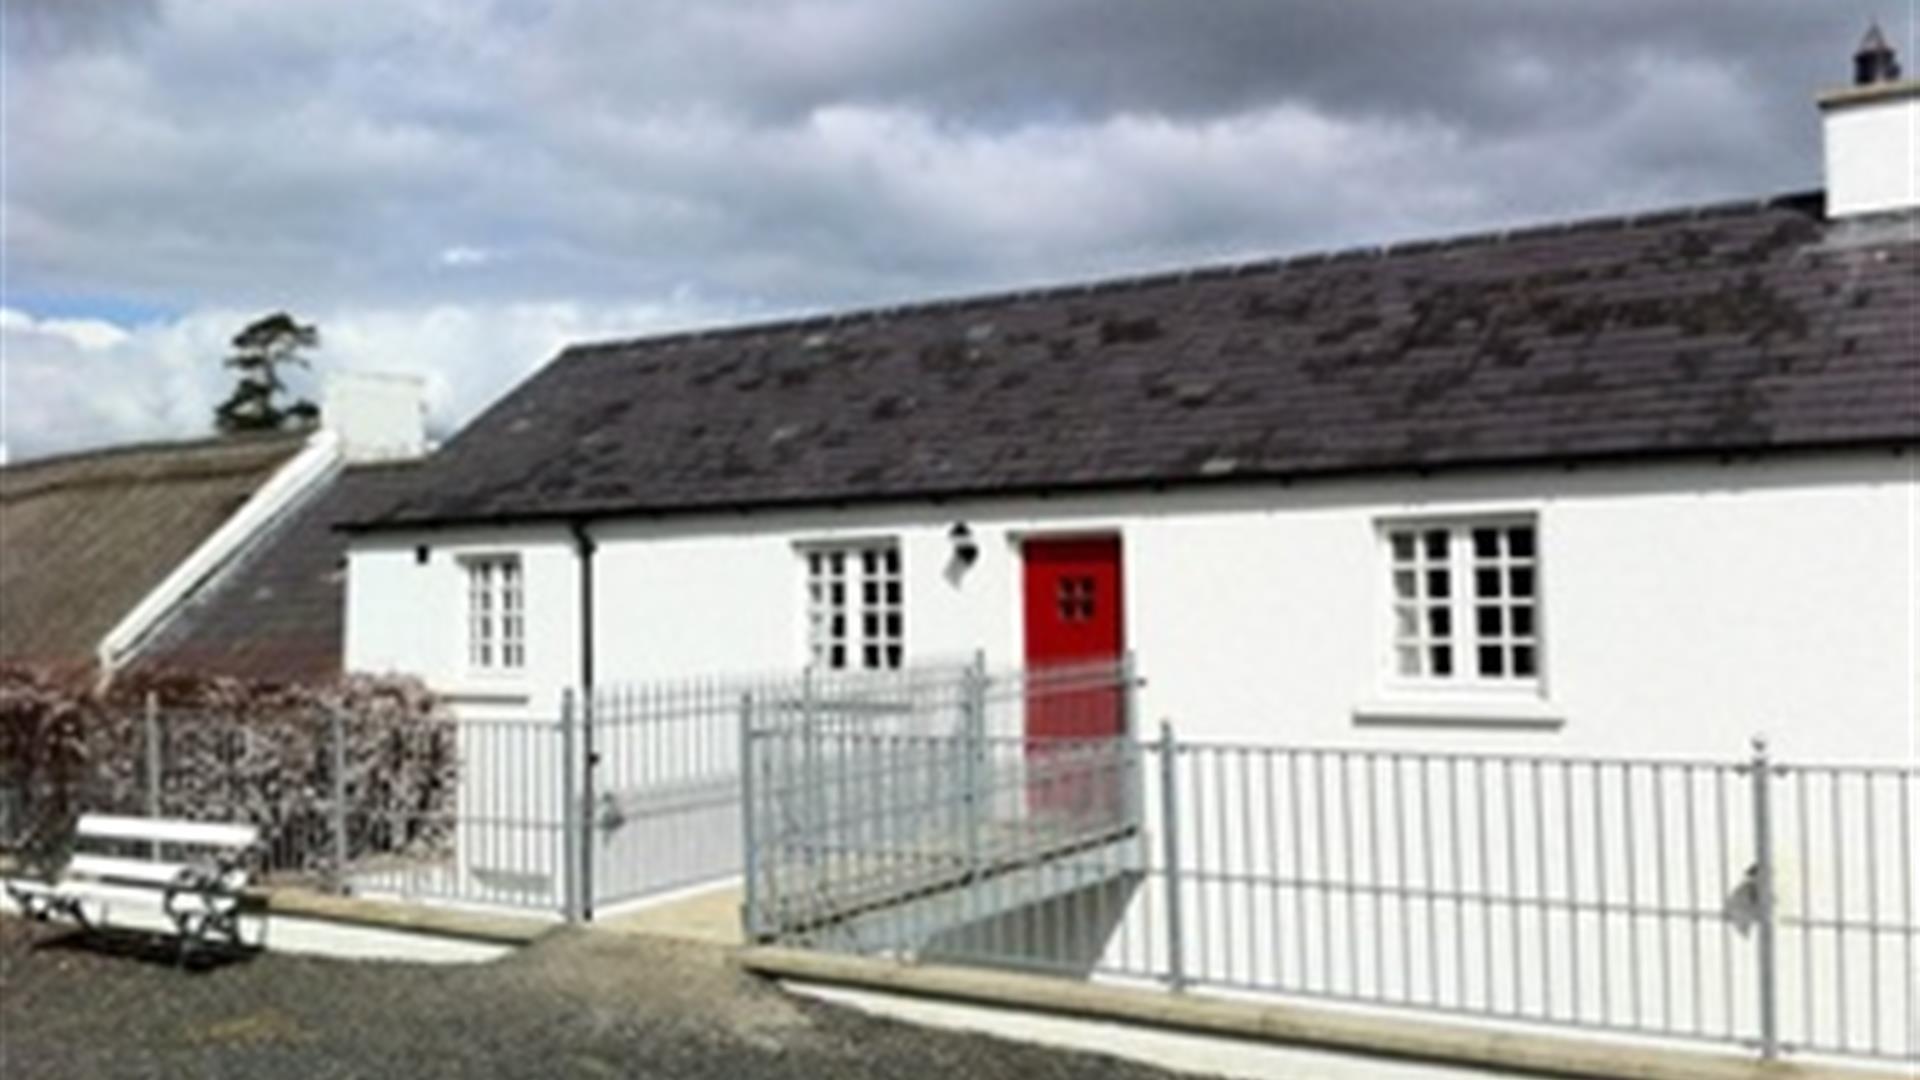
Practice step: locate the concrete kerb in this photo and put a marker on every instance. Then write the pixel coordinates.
(490, 927)
(1411, 1039)
(303, 922)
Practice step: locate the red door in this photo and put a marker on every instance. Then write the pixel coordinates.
(1073, 620)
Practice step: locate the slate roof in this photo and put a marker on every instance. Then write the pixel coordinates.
(1727, 329)
(84, 537)
(276, 614)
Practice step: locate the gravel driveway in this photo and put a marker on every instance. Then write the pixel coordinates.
(574, 1004)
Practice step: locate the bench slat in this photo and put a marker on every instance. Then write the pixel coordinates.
(111, 868)
(89, 890)
(166, 831)
(131, 895)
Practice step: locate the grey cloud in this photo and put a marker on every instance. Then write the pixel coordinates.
(43, 27)
(769, 155)
(1005, 59)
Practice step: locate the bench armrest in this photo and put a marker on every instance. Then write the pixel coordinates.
(221, 878)
(192, 879)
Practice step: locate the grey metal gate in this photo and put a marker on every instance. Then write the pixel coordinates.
(877, 835)
(659, 791)
(658, 786)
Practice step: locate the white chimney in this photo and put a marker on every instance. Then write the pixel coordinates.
(377, 416)
(1873, 135)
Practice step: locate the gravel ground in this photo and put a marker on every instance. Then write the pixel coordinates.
(574, 1004)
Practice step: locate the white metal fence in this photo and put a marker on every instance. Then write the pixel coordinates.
(430, 808)
(1016, 818)
(623, 794)
(1744, 901)
(503, 835)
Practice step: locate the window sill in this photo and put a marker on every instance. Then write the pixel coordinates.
(1463, 712)
(487, 690)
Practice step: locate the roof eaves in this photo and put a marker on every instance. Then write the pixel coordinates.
(1284, 477)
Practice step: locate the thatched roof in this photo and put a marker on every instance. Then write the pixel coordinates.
(84, 537)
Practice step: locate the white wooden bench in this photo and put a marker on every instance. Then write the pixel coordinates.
(201, 896)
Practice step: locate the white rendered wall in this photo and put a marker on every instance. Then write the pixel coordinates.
(1685, 607)
(1873, 151)
(408, 617)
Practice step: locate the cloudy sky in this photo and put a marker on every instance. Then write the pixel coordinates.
(457, 187)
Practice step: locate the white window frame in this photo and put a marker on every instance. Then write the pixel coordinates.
(495, 585)
(855, 604)
(1516, 629)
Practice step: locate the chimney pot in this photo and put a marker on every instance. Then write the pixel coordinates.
(1875, 62)
(1871, 131)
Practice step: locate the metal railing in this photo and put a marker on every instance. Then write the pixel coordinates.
(849, 824)
(500, 839)
(1744, 901)
(663, 788)
(436, 808)
(628, 793)
(1841, 944)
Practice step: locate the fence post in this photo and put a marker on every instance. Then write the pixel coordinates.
(1133, 784)
(973, 749)
(569, 811)
(1763, 900)
(589, 760)
(1170, 839)
(749, 844)
(814, 781)
(337, 725)
(152, 717)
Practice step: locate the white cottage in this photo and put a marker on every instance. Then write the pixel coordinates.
(1538, 528)
(1633, 483)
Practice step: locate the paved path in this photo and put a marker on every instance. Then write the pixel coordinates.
(711, 916)
(573, 1004)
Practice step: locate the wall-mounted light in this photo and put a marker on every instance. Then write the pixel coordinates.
(965, 549)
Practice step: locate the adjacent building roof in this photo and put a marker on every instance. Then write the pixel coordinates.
(83, 538)
(1737, 328)
(276, 614)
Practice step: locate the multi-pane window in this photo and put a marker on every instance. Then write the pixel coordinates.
(1466, 603)
(856, 610)
(496, 614)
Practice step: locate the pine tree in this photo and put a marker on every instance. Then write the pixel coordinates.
(260, 353)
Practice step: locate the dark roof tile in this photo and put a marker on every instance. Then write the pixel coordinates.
(276, 614)
(1745, 327)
